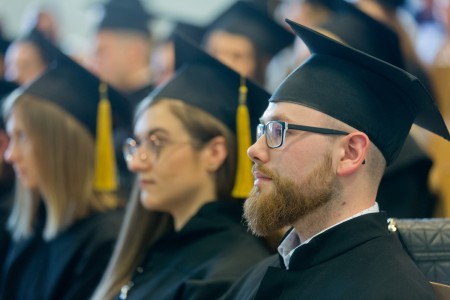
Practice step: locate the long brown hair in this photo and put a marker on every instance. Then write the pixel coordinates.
(65, 152)
(142, 228)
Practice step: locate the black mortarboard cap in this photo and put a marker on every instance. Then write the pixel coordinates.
(245, 19)
(359, 30)
(360, 90)
(76, 90)
(129, 15)
(95, 105)
(192, 31)
(204, 82)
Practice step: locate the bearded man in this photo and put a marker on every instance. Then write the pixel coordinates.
(324, 141)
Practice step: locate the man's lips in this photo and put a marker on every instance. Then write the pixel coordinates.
(145, 182)
(260, 177)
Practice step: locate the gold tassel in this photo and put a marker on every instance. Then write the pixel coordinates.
(105, 162)
(244, 178)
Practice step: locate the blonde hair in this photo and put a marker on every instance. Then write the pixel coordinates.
(64, 152)
(142, 228)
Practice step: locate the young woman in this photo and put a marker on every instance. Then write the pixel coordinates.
(64, 220)
(183, 236)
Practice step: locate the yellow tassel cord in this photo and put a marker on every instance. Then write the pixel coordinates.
(105, 162)
(244, 178)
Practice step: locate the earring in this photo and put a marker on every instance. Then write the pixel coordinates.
(143, 156)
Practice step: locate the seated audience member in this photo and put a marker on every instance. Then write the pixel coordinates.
(404, 190)
(123, 49)
(306, 12)
(65, 216)
(28, 58)
(183, 236)
(328, 133)
(245, 39)
(163, 55)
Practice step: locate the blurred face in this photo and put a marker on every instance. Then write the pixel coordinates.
(171, 173)
(23, 63)
(110, 57)
(233, 50)
(441, 10)
(163, 62)
(293, 180)
(20, 152)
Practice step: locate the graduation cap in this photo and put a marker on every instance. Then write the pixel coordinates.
(361, 31)
(360, 90)
(204, 82)
(127, 15)
(243, 18)
(81, 94)
(192, 31)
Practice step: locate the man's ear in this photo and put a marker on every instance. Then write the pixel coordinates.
(215, 153)
(352, 153)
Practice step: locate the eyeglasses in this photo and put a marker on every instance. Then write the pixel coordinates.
(275, 132)
(151, 147)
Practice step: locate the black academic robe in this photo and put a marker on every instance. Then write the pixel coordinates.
(6, 201)
(202, 260)
(136, 96)
(404, 191)
(358, 259)
(6, 87)
(67, 267)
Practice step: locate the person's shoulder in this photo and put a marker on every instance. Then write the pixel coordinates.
(97, 228)
(247, 286)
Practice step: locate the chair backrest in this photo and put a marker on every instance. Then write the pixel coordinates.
(428, 243)
(442, 291)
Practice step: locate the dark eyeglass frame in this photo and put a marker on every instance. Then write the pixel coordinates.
(261, 130)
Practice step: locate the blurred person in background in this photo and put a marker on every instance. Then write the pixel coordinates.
(163, 55)
(122, 59)
(245, 38)
(440, 70)
(123, 48)
(404, 189)
(64, 220)
(28, 57)
(307, 12)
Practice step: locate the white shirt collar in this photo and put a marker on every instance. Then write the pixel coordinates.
(291, 242)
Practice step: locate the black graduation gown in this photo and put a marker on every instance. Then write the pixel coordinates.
(202, 260)
(136, 96)
(358, 259)
(6, 201)
(404, 191)
(67, 267)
